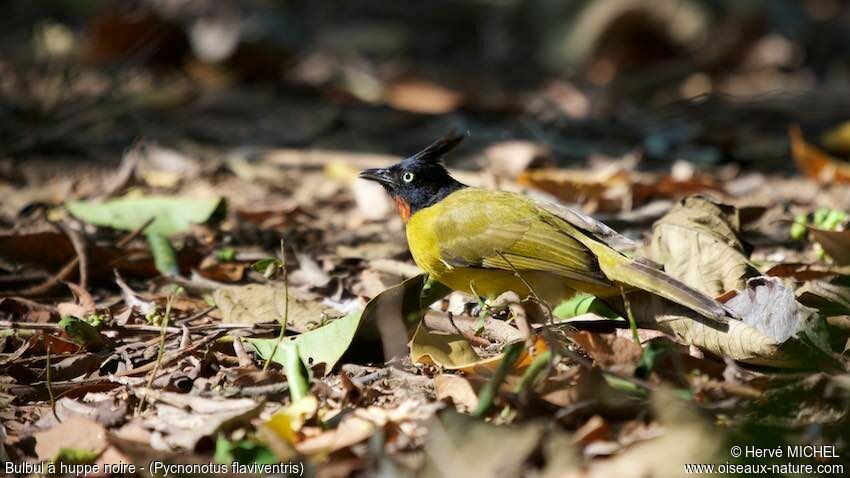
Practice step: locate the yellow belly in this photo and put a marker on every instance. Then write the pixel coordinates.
(492, 283)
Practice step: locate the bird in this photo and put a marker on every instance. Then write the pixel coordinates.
(486, 242)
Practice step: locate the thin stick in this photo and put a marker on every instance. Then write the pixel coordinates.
(79, 244)
(285, 307)
(49, 384)
(161, 348)
(171, 356)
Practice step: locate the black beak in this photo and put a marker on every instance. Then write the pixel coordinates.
(380, 175)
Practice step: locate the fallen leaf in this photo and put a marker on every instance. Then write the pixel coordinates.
(261, 303)
(287, 421)
(697, 242)
(837, 139)
(323, 345)
(458, 389)
(351, 431)
(829, 299)
(610, 351)
(181, 420)
(835, 243)
(595, 429)
(453, 352)
(814, 163)
(687, 439)
(172, 214)
(75, 433)
(450, 351)
(223, 271)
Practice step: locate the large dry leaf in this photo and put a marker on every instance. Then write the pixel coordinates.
(610, 351)
(697, 242)
(450, 351)
(259, 303)
(458, 389)
(829, 299)
(737, 340)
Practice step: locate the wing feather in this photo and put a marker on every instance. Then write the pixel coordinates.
(506, 224)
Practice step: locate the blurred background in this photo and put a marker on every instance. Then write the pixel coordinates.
(702, 84)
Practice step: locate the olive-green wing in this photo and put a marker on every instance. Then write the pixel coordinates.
(490, 229)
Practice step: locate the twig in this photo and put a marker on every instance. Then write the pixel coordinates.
(171, 356)
(49, 384)
(480, 341)
(161, 348)
(285, 307)
(79, 244)
(241, 354)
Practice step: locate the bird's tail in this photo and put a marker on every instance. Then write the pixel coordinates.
(633, 273)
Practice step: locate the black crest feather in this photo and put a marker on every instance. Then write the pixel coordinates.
(436, 150)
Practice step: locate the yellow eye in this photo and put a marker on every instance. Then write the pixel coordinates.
(407, 177)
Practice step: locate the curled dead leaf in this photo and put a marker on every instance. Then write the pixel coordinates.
(814, 163)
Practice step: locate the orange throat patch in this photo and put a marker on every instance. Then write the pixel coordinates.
(403, 208)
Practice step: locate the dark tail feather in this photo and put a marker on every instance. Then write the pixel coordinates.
(658, 282)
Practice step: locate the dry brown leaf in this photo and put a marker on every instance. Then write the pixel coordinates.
(697, 242)
(814, 163)
(259, 303)
(76, 432)
(453, 352)
(835, 243)
(458, 389)
(610, 351)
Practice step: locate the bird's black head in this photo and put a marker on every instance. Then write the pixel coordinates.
(420, 180)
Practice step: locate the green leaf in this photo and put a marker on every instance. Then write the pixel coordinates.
(401, 304)
(325, 344)
(172, 214)
(164, 257)
(76, 456)
(243, 451)
(582, 303)
(225, 254)
(82, 332)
